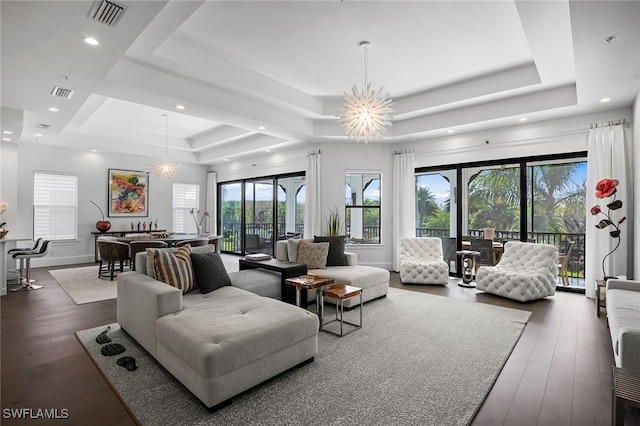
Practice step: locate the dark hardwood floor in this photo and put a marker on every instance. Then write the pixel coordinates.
(558, 374)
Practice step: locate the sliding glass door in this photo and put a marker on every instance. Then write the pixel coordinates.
(255, 213)
(539, 199)
(230, 202)
(258, 216)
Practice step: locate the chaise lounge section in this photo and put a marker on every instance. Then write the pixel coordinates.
(221, 343)
(373, 281)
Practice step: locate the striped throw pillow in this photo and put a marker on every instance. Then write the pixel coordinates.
(175, 268)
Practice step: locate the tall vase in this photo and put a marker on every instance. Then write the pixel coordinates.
(198, 229)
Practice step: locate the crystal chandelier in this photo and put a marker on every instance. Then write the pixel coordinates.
(165, 169)
(365, 114)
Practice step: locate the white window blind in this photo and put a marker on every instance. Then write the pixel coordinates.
(185, 198)
(55, 206)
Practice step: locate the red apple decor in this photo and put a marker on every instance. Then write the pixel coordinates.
(101, 225)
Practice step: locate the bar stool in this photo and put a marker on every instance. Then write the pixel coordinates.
(21, 263)
(27, 255)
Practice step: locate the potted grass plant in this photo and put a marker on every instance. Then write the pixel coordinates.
(334, 223)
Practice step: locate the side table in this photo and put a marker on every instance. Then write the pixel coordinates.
(342, 292)
(467, 259)
(625, 391)
(600, 301)
(310, 282)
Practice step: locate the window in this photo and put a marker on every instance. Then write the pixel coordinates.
(185, 198)
(362, 208)
(55, 206)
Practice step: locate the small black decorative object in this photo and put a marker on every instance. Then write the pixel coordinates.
(112, 349)
(127, 362)
(102, 337)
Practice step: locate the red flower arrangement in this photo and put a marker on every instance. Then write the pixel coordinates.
(606, 188)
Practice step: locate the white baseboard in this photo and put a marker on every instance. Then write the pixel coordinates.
(48, 260)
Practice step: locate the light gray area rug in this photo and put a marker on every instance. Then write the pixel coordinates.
(418, 360)
(83, 285)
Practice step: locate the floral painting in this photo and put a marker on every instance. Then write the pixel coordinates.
(128, 193)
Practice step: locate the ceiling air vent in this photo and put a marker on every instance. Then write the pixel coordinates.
(107, 12)
(59, 92)
(42, 126)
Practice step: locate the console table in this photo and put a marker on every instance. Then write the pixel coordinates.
(97, 234)
(286, 270)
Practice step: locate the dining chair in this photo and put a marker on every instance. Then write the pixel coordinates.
(194, 242)
(563, 258)
(141, 245)
(110, 253)
(485, 247)
(216, 240)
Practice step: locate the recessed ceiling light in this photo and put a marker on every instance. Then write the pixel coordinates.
(267, 150)
(6, 139)
(226, 159)
(179, 106)
(53, 109)
(605, 99)
(94, 150)
(39, 134)
(261, 128)
(450, 131)
(523, 119)
(92, 41)
(7, 132)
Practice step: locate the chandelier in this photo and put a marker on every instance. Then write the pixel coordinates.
(165, 169)
(365, 114)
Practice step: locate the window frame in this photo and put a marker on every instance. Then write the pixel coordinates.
(349, 208)
(186, 225)
(54, 232)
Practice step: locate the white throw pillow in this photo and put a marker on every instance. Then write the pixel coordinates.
(292, 248)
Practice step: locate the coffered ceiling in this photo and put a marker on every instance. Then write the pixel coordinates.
(258, 75)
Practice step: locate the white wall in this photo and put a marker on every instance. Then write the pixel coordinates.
(92, 170)
(530, 139)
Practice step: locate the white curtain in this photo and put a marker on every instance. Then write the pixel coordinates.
(212, 207)
(313, 198)
(607, 158)
(404, 212)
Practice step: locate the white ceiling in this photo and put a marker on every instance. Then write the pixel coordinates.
(256, 75)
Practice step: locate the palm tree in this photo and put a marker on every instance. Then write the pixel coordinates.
(425, 203)
(439, 219)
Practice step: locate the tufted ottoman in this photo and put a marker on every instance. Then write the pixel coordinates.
(220, 345)
(526, 271)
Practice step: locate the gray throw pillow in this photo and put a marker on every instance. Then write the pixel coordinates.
(336, 256)
(314, 255)
(209, 271)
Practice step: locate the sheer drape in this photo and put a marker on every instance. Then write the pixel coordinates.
(212, 206)
(313, 199)
(607, 158)
(404, 212)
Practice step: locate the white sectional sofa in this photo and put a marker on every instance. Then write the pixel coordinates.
(221, 343)
(623, 314)
(373, 281)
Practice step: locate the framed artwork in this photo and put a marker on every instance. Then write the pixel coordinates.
(128, 193)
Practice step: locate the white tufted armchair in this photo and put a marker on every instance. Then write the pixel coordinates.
(421, 261)
(526, 271)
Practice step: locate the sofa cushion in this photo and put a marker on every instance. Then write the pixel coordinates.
(259, 281)
(292, 248)
(233, 328)
(336, 256)
(149, 268)
(209, 271)
(175, 268)
(314, 255)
